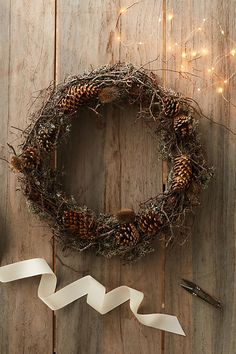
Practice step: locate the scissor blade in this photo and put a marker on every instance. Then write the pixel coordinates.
(187, 288)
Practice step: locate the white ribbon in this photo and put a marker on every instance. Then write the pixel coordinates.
(96, 293)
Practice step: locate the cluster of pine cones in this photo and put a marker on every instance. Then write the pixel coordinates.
(128, 233)
(183, 127)
(82, 94)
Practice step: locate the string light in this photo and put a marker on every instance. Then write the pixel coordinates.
(204, 51)
(123, 10)
(191, 56)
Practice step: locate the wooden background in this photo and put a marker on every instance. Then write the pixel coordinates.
(113, 164)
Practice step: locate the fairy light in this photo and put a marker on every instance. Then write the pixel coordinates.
(123, 10)
(190, 56)
(204, 51)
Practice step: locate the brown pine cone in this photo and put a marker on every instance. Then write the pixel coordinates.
(77, 95)
(81, 223)
(170, 106)
(183, 124)
(30, 158)
(46, 137)
(127, 235)
(182, 173)
(150, 223)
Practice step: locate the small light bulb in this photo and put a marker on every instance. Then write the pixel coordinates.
(183, 55)
(194, 54)
(222, 32)
(182, 67)
(170, 47)
(122, 10)
(204, 20)
(199, 28)
(204, 51)
(209, 70)
(176, 43)
(220, 89)
(233, 52)
(212, 68)
(118, 38)
(225, 81)
(170, 17)
(199, 89)
(140, 43)
(159, 19)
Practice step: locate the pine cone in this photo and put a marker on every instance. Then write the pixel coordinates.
(183, 124)
(46, 137)
(150, 223)
(30, 158)
(81, 223)
(127, 235)
(182, 173)
(170, 106)
(77, 95)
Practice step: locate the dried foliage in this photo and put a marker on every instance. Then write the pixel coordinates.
(173, 118)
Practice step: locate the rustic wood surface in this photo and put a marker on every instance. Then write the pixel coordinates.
(111, 163)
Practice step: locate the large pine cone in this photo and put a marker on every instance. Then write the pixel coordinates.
(77, 95)
(182, 173)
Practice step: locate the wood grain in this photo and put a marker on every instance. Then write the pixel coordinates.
(209, 255)
(27, 48)
(104, 172)
(112, 162)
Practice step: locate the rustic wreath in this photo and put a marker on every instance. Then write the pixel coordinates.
(170, 115)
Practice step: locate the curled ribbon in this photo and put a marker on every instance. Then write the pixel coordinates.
(96, 293)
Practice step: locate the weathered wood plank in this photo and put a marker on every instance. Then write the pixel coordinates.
(209, 256)
(104, 172)
(89, 42)
(27, 51)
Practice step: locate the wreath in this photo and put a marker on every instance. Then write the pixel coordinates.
(128, 234)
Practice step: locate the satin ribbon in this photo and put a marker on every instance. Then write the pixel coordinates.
(96, 293)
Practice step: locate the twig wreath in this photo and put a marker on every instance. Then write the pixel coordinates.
(126, 234)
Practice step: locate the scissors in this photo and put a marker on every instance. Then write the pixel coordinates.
(197, 291)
